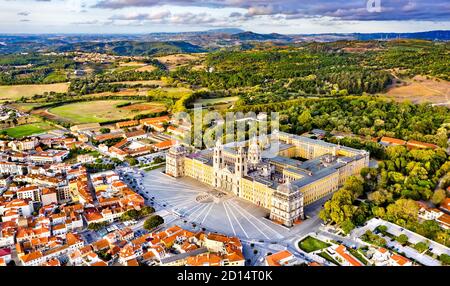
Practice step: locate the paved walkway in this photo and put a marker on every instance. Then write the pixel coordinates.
(199, 204)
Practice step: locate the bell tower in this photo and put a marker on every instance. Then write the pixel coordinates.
(240, 166)
(240, 170)
(175, 161)
(218, 162)
(254, 153)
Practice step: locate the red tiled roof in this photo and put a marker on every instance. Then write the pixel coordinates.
(274, 259)
(393, 141)
(446, 204)
(341, 250)
(165, 144)
(155, 119)
(418, 144)
(400, 260)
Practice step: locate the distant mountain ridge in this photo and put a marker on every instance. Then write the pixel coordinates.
(185, 42)
(441, 35)
(251, 36)
(133, 48)
(226, 31)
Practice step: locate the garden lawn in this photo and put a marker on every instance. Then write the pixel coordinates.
(28, 129)
(99, 111)
(311, 244)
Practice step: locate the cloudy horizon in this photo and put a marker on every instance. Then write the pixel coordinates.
(261, 16)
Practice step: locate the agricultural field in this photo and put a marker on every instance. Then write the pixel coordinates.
(144, 106)
(175, 92)
(14, 92)
(134, 66)
(102, 110)
(173, 62)
(420, 89)
(144, 82)
(56, 76)
(216, 101)
(24, 106)
(163, 92)
(146, 68)
(28, 129)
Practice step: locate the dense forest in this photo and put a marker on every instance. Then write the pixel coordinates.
(273, 74)
(390, 192)
(133, 48)
(297, 71)
(365, 116)
(33, 69)
(107, 82)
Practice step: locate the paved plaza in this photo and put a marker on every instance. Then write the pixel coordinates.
(193, 202)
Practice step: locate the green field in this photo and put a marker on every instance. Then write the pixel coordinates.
(144, 82)
(28, 129)
(25, 106)
(14, 92)
(101, 111)
(56, 76)
(220, 100)
(170, 92)
(311, 244)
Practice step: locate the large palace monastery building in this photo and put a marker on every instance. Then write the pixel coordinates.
(301, 172)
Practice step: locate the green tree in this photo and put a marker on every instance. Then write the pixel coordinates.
(130, 215)
(354, 185)
(147, 210)
(305, 118)
(339, 208)
(402, 211)
(132, 161)
(402, 239)
(445, 259)
(382, 228)
(394, 152)
(438, 196)
(380, 197)
(378, 212)
(153, 222)
(97, 226)
(347, 226)
(105, 130)
(421, 246)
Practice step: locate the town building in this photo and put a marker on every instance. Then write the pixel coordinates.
(281, 258)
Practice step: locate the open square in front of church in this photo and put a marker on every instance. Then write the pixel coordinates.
(192, 202)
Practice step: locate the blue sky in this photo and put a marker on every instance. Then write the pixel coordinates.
(263, 16)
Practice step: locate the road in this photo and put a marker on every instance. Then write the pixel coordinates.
(347, 241)
(422, 258)
(173, 198)
(396, 231)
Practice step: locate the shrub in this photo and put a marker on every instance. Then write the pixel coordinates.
(382, 228)
(372, 238)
